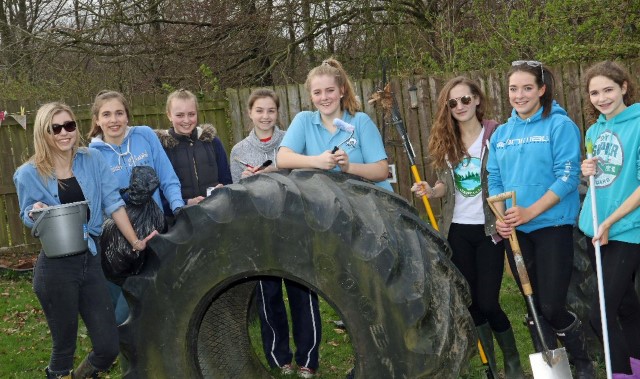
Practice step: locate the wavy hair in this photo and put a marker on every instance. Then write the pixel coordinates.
(618, 74)
(43, 158)
(331, 67)
(445, 141)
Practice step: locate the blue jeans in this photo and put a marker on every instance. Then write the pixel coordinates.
(120, 304)
(70, 286)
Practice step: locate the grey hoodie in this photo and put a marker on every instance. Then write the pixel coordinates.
(254, 152)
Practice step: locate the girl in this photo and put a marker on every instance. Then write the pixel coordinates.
(259, 146)
(457, 145)
(615, 134)
(196, 153)
(61, 172)
(312, 136)
(536, 154)
(124, 147)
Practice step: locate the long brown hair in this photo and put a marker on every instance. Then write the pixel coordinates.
(445, 141)
(617, 74)
(43, 158)
(99, 101)
(332, 67)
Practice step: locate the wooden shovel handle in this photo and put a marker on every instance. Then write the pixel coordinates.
(513, 240)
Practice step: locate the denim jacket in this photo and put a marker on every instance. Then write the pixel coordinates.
(98, 186)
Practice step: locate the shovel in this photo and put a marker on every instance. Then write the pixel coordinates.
(603, 313)
(551, 364)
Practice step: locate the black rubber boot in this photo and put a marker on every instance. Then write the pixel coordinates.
(547, 331)
(86, 370)
(486, 340)
(512, 365)
(574, 341)
(57, 376)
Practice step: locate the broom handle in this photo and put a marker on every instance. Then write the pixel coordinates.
(603, 313)
(425, 200)
(513, 241)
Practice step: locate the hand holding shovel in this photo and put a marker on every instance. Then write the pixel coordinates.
(596, 245)
(557, 361)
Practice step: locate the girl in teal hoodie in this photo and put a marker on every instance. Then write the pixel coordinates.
(616, 165)
(536, 154)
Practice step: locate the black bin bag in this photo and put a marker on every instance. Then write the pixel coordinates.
(118, 258)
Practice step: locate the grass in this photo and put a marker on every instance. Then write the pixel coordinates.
(25, 341)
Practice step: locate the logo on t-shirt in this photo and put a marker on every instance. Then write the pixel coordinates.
(609, 149)
(467, 177)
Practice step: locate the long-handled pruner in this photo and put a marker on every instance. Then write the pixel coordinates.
(522, 270)
(603, 313)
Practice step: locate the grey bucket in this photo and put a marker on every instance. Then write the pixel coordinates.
(62, 229)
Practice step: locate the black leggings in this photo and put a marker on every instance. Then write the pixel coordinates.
(482, 264)
(620, 266)
(548, 257)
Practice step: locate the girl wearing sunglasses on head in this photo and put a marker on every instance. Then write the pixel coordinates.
(612, 108)
(536, 154)
(61, 172)
(457, 145)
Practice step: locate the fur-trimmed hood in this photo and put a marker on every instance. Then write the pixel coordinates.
(170, 139)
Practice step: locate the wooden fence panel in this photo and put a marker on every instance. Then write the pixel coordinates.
(229, 116)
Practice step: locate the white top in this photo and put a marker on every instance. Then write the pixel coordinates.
(466, 179)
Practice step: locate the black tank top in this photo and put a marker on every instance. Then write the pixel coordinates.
(69, 191)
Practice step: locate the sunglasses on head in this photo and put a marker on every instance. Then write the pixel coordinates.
(531, 64)
(465, 100)
(69, 126)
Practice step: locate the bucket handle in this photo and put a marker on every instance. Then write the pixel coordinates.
(34, 229)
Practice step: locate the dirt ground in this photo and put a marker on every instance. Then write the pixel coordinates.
(17, 261)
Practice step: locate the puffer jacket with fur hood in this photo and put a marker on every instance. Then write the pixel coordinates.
(199, 160)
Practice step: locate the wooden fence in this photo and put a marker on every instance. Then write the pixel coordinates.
(229, 116)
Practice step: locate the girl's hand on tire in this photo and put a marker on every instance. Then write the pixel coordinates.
(342, 159)
(195, 200)
(326, 161)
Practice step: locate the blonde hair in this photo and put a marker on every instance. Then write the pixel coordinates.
(181, 94)
(332, 67)
(99, 101)
(43, 143)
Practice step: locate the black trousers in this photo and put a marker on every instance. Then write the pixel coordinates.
(620, 267)
(305, 317)
(481, 262)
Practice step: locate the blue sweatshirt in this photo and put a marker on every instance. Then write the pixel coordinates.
(534, 155)
(98, 186)
(141, 147)
(617, 143)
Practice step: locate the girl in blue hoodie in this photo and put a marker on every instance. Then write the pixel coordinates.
(536, 154)
(124, 147)
(616, 165)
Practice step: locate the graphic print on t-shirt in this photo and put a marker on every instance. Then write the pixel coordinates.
(609, 149)
(467, 177)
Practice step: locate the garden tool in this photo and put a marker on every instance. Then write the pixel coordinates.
(347, 128)
(603, 313)
(551, 364)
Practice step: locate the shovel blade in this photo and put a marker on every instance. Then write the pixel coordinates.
(559, 368)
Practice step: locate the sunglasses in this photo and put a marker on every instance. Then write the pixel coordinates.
(531, 64)
(465, 100)
(69, 126)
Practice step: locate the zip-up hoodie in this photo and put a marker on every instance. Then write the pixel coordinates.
(141, 147)
(534, 155)
(254, 152)
(617, 143)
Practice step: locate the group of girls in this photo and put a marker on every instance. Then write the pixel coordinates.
(536, 154)
(190, 161)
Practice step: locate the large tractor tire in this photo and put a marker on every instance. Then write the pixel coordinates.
(363, 249)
